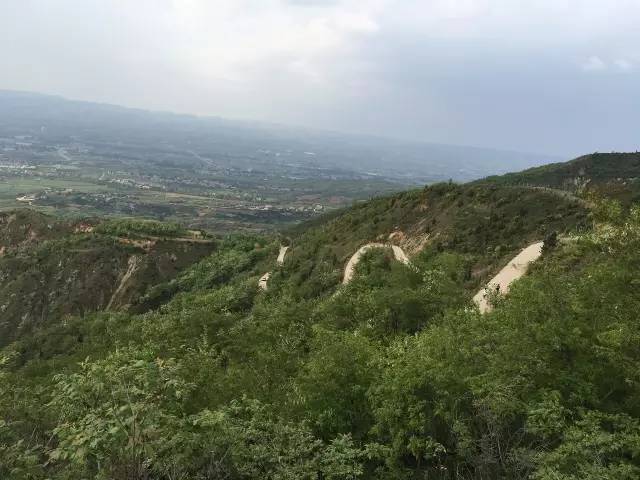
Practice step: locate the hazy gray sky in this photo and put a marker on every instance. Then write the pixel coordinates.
(557, 76)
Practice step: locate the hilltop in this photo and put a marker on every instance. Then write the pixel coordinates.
(615, 175)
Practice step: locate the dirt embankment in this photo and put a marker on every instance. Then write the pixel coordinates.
(133, 264)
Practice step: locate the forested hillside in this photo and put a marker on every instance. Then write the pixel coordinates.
(395, 375)
(615, 175)
(482, 227)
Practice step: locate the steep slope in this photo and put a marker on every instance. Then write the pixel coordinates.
(50, 269)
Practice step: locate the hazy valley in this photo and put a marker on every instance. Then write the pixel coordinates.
(79, 159)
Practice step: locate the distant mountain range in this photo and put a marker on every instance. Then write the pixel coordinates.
(244, 144)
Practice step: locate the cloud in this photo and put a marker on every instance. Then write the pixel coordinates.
(490, 72)
(623, 64)
(594, 64)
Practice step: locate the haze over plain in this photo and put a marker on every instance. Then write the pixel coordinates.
(556, 77)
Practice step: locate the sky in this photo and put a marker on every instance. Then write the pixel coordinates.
(549, 76)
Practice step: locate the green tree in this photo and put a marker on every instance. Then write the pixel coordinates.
(331, 387)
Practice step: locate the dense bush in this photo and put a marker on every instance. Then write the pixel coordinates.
(135, 227)
(394, 376)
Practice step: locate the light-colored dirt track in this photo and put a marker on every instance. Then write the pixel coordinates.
(283, 252)
(515, 269)
(399, 254)
(350, 269)
(264, 279)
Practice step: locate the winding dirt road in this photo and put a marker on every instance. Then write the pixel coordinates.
(262, 283)
(283, 252)
(399, 254)
(515, 269)
(264, 279)
(350, 269)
